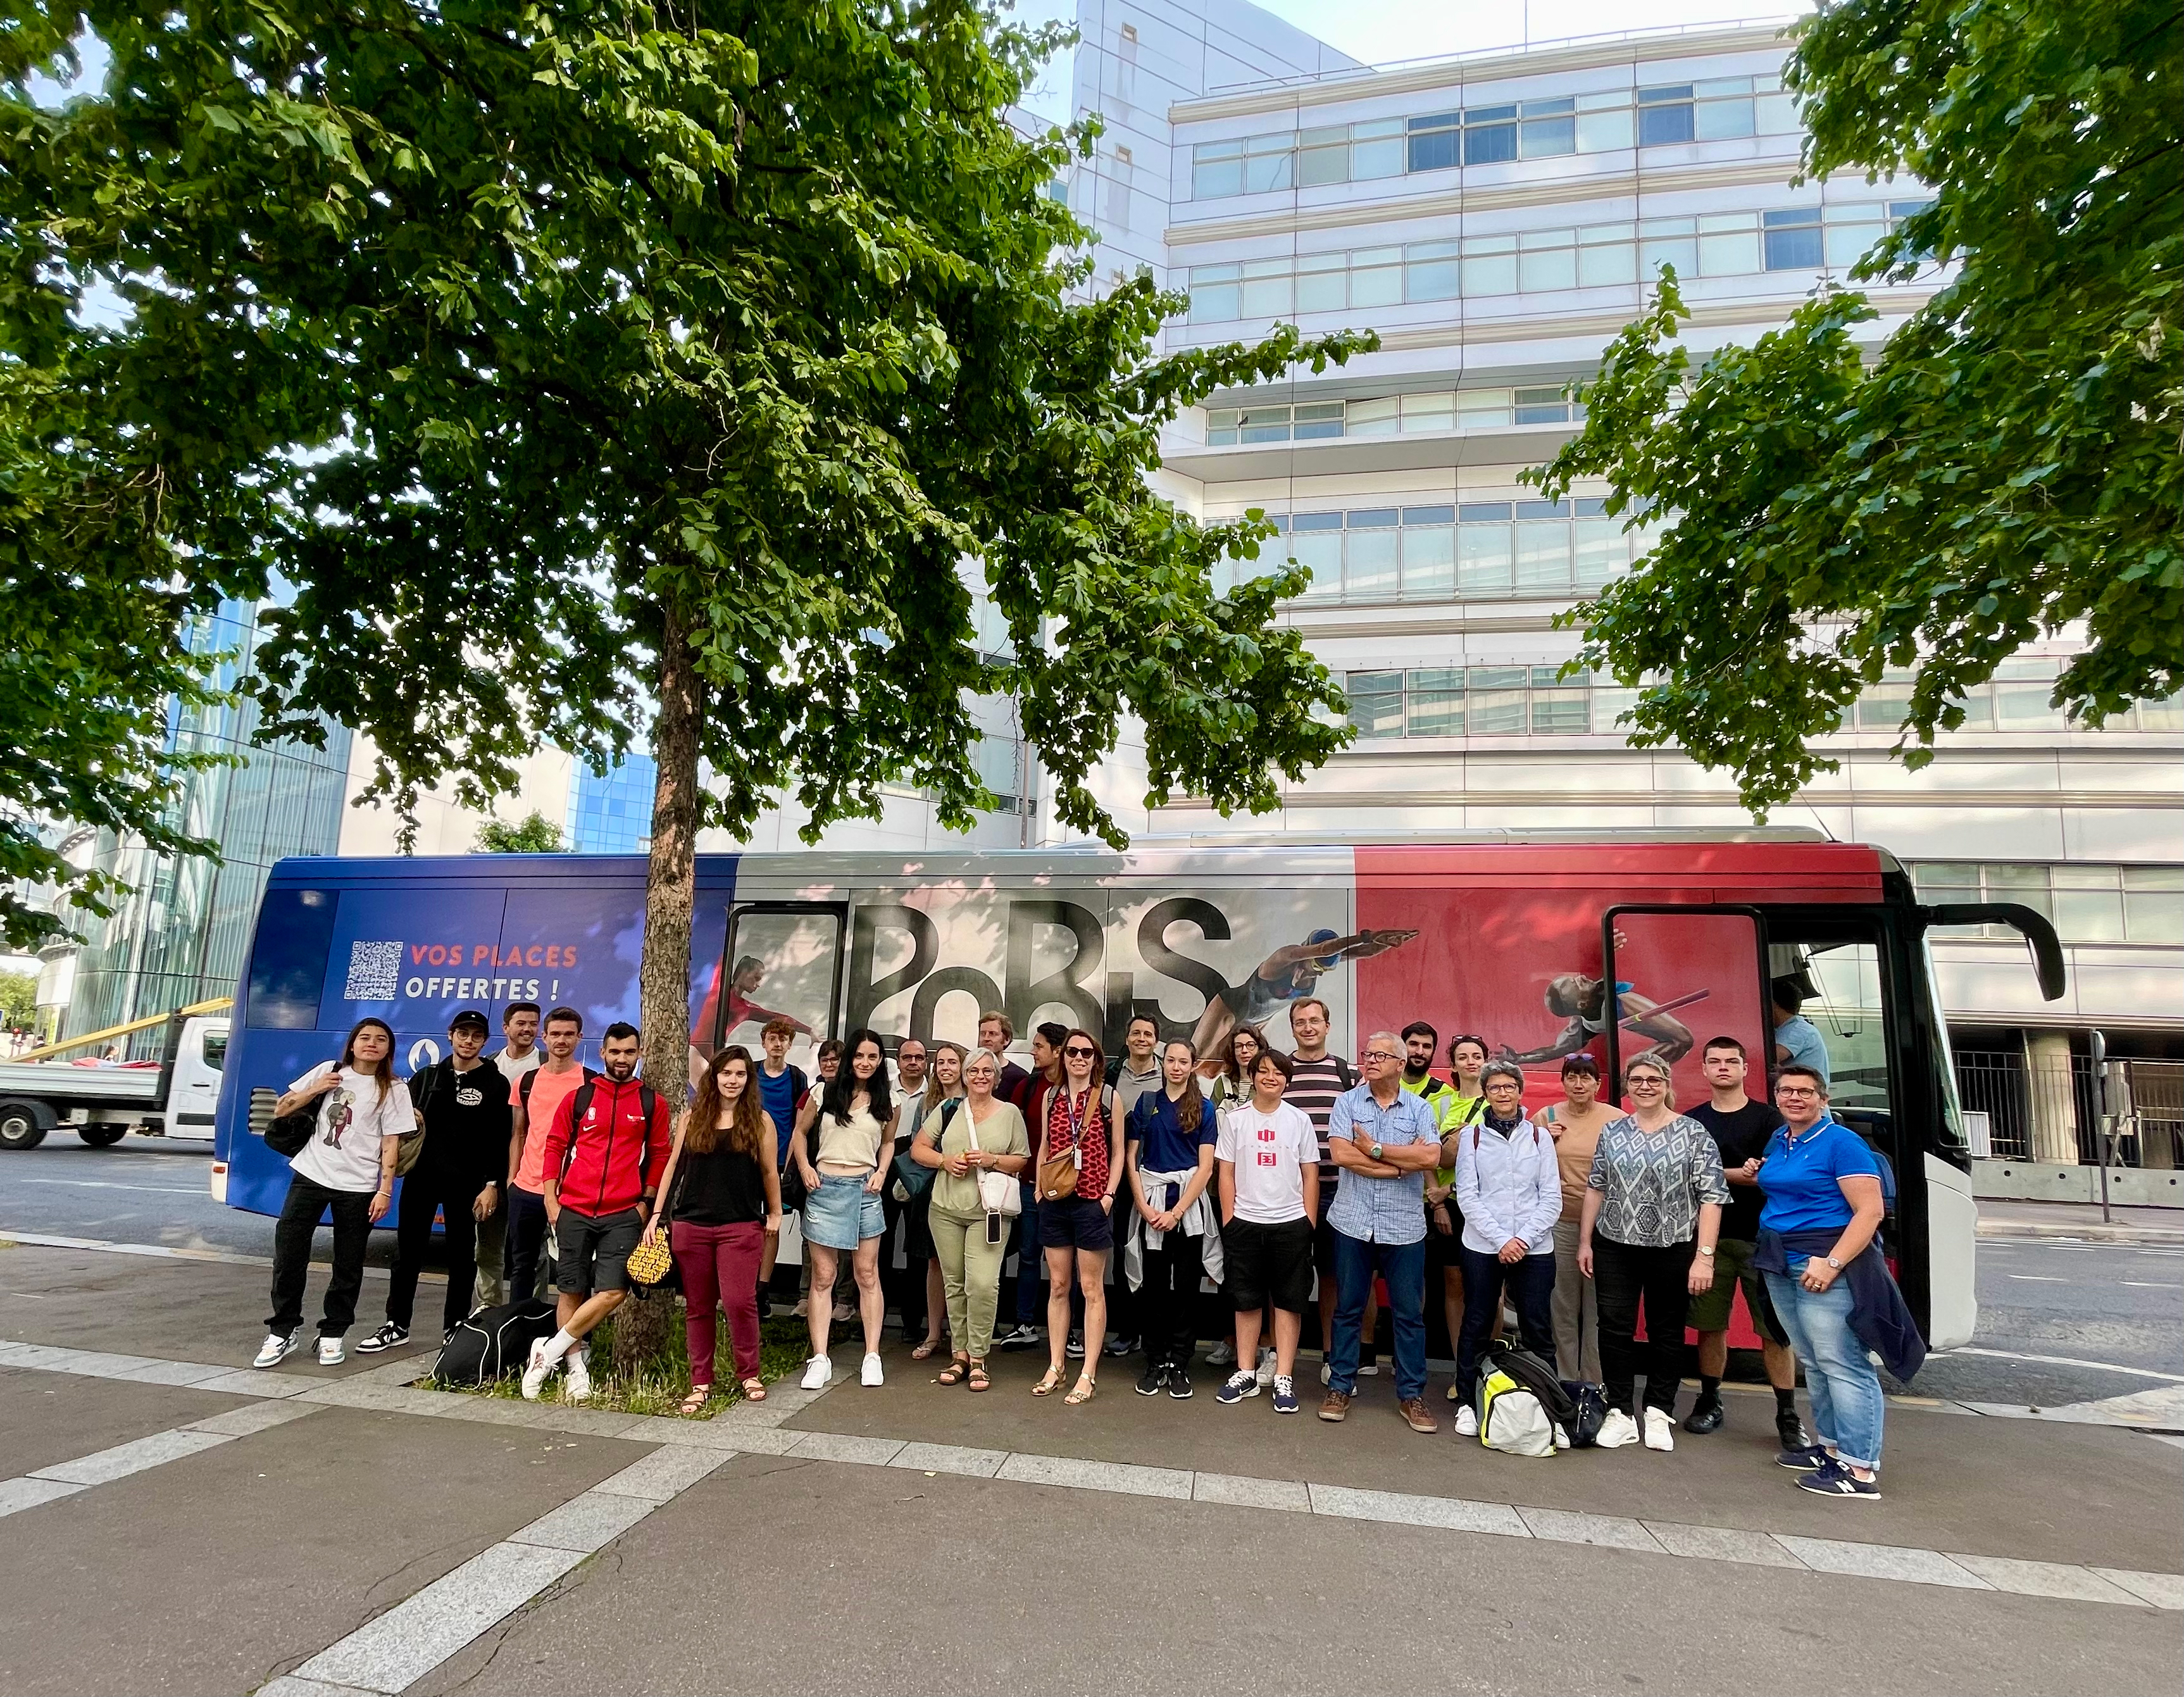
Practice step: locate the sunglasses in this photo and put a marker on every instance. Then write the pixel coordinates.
(1078, 1051)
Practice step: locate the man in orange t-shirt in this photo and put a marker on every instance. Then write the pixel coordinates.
(535, 1096)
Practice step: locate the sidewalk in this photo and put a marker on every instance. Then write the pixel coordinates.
(2161, 1227)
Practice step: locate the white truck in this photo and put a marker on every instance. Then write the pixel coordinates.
(103, 1103)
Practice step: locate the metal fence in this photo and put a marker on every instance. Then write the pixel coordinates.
(2017, 1095)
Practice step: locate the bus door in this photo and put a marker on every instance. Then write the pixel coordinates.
(784, 959)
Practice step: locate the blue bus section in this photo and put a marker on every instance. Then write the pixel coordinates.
(414, 942)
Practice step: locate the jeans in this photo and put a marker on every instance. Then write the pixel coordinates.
(719, 1268)
(971, 1275)
(423, 1195)
(1847, 1405)
(292, 1254)
(1403, 1265)
(1168, 1299)
(1624, 1273)
(526, 1242)
(1031, 1261)
(1531, 1284)
(1576, 1311)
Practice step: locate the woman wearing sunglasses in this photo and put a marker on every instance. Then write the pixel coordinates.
(1653, 1211)
(1080, 1163)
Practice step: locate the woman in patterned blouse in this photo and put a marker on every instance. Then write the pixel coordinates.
(1652, 1210)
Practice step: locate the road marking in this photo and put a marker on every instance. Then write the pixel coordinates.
(2039, 1279)
(103, 1466)
(109, 1184)
(2150, 1284)
(2063, 1361)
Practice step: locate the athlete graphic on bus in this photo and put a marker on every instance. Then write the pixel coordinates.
(1581, 999)
(1286, 975)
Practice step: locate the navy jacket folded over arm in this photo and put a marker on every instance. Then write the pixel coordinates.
(1878, 1313)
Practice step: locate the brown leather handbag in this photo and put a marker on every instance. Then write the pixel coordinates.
(1058, 1173)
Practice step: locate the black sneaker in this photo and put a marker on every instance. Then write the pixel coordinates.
(1707, 1415)
(388, 1337)
(1791, 1431)
(1178, 1383)
(1150, 1380)
(1023, 1337)
(1118, 1348)
(1074, 1349)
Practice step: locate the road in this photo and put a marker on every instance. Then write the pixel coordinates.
(2117, 1310)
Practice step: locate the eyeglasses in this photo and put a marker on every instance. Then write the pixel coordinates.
(1503, 1084)
(1382, 1055)
(1653, 1078)
(1078, 1051)
(1796, 1090)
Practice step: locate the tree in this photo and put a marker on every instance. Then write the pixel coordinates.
(534, 834)
(606, 370)
(2010, 463)
(19, 1001)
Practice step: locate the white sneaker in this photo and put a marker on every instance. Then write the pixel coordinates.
(1326, 1374)
(818, 1373)
(1660, 1430)
(1265, 1373)
(278, 1347)
(536, 1371)
(1616, 1431)
(870, 1375)
(332, 1351)
(1562, 1438)
(576, 1382)
(1467, 1421)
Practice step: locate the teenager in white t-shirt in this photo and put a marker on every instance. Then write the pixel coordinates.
(347, 1169)
(1267, 1156)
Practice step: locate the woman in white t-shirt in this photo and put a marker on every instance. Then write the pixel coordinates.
(1267, 1156)
(348, 1168)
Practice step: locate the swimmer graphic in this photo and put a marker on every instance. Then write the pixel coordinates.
(1582, 1000)
(1285, 975)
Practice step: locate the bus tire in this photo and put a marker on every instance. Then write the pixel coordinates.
(21, 1125)
(102, 1137)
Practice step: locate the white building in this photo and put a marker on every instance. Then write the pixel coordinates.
(1496, 217)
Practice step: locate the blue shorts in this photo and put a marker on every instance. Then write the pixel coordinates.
(1075, 1222)
(841, 1213)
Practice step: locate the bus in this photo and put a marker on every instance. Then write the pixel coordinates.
(1546, 943)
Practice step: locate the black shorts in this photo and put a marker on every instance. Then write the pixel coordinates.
(1442, 1248)
(592, 1254)
(1075, 1222)
(1268, 1264)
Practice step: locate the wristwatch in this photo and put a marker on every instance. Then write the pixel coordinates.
(1706, 1249)
(1834, 1263)
(1376, 1152)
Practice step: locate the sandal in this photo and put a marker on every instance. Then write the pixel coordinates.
(695, 1402)
(953, 1373)
(1049, 1383)
(754, 1390)
(924, 1350)
(1087, 1388)
(977, 1377)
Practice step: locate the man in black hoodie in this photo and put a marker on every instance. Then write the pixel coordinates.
(462, 1105)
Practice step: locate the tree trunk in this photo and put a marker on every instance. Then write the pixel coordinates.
(663, 978)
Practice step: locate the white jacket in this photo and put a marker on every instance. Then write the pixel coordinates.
(1508, 1187)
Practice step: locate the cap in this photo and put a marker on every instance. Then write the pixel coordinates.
(470, 1019)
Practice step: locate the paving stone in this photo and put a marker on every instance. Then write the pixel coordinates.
(1455, 1513)
(1881, 1561)
(1292, 1495)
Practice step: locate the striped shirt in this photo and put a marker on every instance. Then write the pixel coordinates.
(1313, 1086)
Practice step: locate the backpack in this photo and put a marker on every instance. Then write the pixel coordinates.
(494, 1343)
(1591, 1412)
(1517, 1395)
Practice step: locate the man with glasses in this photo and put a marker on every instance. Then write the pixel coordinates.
(907, 1287)
(1384, 1140)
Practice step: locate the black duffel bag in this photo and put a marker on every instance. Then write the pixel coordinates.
(494, 1342)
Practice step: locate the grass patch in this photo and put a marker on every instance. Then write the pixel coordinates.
(659, 1386)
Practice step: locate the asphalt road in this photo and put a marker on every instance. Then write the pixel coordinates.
(2103, 1317)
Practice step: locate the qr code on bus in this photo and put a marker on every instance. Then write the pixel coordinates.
(374, 969)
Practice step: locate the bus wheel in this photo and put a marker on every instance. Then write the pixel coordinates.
(99, 1136)
(20, 1128)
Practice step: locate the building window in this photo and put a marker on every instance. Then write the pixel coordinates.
(2087, 903)
(1665, 116)
(1792, 240)
(1490, 135)
(613, 814)
(1475, 701)
(1480, 550)
(1435, 140)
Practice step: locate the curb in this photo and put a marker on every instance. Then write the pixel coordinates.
(2151, 1236)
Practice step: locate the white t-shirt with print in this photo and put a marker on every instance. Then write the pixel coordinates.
(343, 1153)
(1270, 1152)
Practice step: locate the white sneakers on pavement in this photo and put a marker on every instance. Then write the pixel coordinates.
(1266, 1373)
(1618, 1430)
(537, 1368)
(1660, 1430)
(871, 1374)
(332, 1351)
(818, 1373)
(1467, 1421)
(576, 1386)
(278, 1347)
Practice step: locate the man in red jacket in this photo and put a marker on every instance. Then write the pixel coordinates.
(605, 1153)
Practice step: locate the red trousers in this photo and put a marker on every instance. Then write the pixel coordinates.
(719, 1266)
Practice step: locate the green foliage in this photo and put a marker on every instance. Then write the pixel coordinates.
(517, 336)
(2011, 462)
(533, 834)
(19, 1000)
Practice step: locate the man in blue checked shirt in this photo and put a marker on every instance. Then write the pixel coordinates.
(1385, 1142)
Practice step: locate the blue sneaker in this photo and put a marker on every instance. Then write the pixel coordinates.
(1237, 1386)
(1285, 1396)
(1808, 1458)
(1836, 1480)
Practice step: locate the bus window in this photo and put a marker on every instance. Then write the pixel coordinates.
(288, 959)
(783, 962)
(1839, 988)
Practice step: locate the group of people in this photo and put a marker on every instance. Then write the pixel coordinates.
(1289, 1180)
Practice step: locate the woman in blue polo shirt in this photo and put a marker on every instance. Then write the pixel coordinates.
(1830, 1288)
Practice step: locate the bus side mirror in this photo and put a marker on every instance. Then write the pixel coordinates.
(2029, 922)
